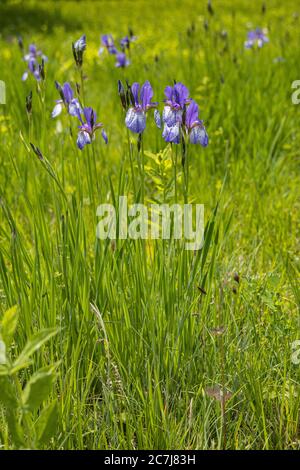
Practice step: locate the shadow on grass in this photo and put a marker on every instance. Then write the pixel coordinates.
(25, 17)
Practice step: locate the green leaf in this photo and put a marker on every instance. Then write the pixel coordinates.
(9, 324)
(3, 359)
(38, 388)
(7, 392)
(33, 345)
(47, 423)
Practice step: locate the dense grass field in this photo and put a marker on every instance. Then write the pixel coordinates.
(141, 344)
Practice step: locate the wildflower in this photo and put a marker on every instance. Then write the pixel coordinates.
(141, 102)
(33, 68)
(177, 98)
(67, 99)
(34, 53)
(88, 128)
(257, 37)
(122, 60)
(78, 48)
(193, 127)
(108, 43)
(127, 40)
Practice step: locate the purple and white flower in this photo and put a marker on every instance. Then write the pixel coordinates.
(122, 60)
(258, 38)
(88, 127)
(177, 97)
(67, 99)
(193, 127)
(32, 68)
(108, 44)
(141, 102)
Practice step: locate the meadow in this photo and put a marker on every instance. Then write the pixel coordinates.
(141, 344)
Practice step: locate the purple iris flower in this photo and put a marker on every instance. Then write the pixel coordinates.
(88, 128)
(194, 127)
(122, 60)
(176, 99)
(32, 62)
(108, 43)
(126, 41)
(67, 99)
(136, 115)
(34, 53)
(33, 68)
(257, 37)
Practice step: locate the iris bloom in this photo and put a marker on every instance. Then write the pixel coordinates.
(122, 60)
(33, 68)
(257, 37)
(34, 53)
(126, 41)
(176, 99)
(194, 128)
(67, 99)
(88, 128)
(108, 43)
(78, 48)
(141, 102)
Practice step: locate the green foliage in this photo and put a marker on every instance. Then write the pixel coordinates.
(132, 344)
(29, 423)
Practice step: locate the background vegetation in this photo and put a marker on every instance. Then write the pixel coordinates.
(132, 345)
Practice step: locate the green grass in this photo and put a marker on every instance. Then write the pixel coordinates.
(135, 350)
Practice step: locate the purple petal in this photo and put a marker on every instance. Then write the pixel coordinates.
(32, 49)
(169, 92)
(172, 134)
(199, 135)
(191, 114)
(181, 94)
(135, 91)
(75, 108)
(57, 110)
(171, 117)
(104, 135)
(135, 120)
(68, 92)
(90, 116)
(146, 94)
(157, 118)
(25, 76)
(83, 139)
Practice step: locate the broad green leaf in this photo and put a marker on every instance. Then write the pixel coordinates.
(33, 345)
(7, 392)
(9, 324)
(15, 429)
(38, 388)
(47, 423)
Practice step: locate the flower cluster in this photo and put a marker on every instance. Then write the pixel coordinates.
(108, 43)
(258, 38)
(33, 66)
(87, 116)
(180, 116)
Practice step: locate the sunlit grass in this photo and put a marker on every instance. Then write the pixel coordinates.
(137, 346)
